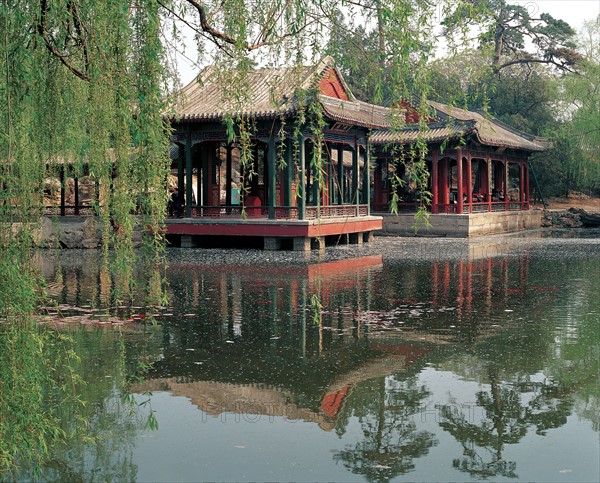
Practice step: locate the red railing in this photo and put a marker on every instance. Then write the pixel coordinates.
(281, 212)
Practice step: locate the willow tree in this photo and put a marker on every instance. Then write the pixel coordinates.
(80, 86)
(84, 86)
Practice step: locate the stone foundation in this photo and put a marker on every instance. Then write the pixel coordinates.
(562, 219)
(463, 226)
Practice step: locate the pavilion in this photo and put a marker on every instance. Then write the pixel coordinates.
(265, 186)
(479, 173)
(282, 198)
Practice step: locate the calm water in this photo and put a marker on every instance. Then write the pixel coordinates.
(431, 360)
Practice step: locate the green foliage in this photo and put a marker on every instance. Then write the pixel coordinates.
(504, 29)
(81, 89)
(36, 370)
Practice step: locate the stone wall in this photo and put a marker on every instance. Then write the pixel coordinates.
(464, 226)
(70, 232)
(562, 218)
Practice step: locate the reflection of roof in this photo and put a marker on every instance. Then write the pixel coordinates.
(216, 398)
(381, 366)
(271, 92)
(453, 123)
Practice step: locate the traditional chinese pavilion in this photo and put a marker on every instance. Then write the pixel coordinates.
(479, 174)
(281, 203)
(279, 197)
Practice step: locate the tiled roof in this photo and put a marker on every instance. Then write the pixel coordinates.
(454, 123)
(435, 132)
(270, 94)
(356, 112)
(492, 132)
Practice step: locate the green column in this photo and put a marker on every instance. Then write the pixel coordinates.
(287, 174)
(301, 196)
(188, 175)
(180, 173)
(316, 181)
(205, 178)
(228, 175)
(271, 177)
(355, 198)
(340, 173)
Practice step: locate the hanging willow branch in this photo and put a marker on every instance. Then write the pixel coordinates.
(42, 30)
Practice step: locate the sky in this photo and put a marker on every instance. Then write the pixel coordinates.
(574, 12)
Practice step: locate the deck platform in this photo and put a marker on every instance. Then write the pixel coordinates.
(297, 235)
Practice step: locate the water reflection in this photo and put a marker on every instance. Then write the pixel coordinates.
(444, 368)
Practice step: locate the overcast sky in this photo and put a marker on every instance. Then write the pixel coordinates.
(574, 12)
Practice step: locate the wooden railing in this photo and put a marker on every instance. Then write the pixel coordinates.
(402, 207)
(281, 212)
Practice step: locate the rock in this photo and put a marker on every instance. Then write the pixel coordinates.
(72, 237)
(90, 228)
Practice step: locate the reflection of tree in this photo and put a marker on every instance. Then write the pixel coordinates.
(506, 420)
(106, 453)
(385, 408)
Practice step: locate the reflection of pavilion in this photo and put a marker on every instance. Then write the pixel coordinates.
(268, 357)
(220, 394)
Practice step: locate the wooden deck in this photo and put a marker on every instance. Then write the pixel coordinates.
(299, 235)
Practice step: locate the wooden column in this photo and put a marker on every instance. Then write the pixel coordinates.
(354, 198)
(329, 189)
(180, 171)
(340, 173)
(521, 183)
(271, 178)
(488, 162)
(366, 180)
(288, 170)
(188, 175)
(62, 191)
(469, 181)
(76, 187)
(301, 200)
(459, 181)
(198, 162)
(526, 168)
(315, 178)
(506, 174)
(228, 175)
(204, 151)
(377, 182)
(434, 181)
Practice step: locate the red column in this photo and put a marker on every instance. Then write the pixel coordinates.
(488, 175)
(444, 185)
(434, 181)
(526, 170)
(459, 181)
(469, 182)
(506, 175)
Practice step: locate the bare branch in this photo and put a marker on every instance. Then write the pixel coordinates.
(42, 31)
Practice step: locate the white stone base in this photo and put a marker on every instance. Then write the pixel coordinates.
(463, 226)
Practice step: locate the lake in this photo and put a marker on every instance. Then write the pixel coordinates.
(412, 359)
